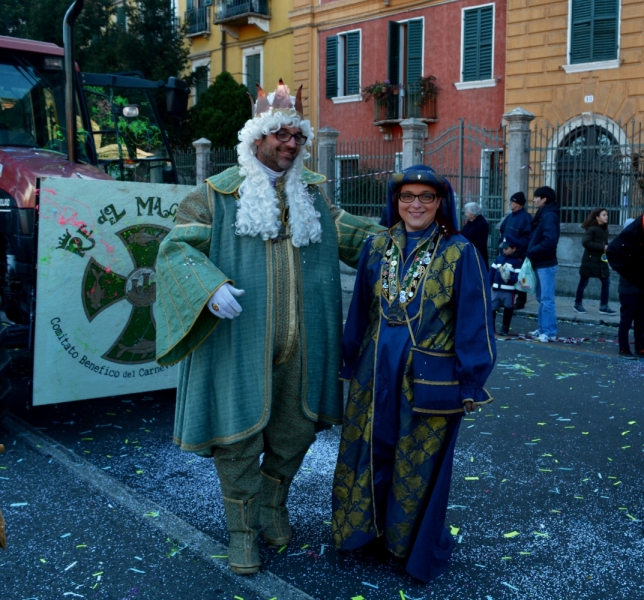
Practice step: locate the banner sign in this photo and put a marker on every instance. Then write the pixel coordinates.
(96, 286)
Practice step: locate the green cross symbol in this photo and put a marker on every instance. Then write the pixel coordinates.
(103, 288)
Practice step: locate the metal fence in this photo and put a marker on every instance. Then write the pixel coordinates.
(472, 158)
(362, 170)
(219, 160)
(591, 164)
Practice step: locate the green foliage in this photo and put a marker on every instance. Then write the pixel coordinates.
(221, 111)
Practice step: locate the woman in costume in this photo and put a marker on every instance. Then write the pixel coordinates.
(418, 346)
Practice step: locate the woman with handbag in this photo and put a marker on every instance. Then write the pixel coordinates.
(594, 262)
(418, 347)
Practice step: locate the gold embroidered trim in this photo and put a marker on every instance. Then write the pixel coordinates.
(438, 412)
(440, 354)
(426, 382)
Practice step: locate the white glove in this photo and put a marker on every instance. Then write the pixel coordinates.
(222, 303)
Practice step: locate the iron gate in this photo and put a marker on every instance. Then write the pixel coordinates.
(591, 163)
(472, 158)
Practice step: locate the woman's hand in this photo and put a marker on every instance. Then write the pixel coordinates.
(469, 406)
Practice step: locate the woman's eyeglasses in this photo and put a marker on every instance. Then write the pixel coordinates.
(285, 136)
(425, 197)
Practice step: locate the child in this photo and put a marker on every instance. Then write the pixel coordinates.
(503, 275)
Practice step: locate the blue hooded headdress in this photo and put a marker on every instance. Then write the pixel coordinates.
(426, 175)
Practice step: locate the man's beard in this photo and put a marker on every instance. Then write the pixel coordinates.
(273, 159)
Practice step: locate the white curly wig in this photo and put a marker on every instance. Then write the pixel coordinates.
(258, 210)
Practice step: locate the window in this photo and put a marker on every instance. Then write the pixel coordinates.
(347, 169)
(253, 59)
(405, 52)
(343, 65)
(477, 44)
(593, 30)
(201, 80)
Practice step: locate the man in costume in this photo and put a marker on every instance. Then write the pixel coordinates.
(257, 372)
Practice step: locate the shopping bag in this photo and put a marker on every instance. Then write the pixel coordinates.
(527, 281)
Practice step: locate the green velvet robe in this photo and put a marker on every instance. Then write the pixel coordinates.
(224, 387)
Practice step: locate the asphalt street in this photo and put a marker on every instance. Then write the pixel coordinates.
(546, 500)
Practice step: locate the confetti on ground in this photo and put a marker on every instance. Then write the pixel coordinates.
(511, 534)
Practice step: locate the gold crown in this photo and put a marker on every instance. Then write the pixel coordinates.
(281, 100)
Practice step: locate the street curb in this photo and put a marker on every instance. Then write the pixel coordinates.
(575, 319)
(265, 584)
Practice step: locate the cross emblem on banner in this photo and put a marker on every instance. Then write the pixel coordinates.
(103, 288)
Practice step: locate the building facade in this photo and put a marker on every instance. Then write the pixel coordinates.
(251, 39)
(409, 47)
(576, 65)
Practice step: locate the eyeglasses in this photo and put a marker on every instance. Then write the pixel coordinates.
(285, 136)
(425, 197)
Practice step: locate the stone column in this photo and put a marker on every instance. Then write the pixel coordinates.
(327, 138)
(518, 159)
(414, 134)
(202, 147)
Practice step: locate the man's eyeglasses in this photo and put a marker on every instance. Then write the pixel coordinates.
(425, 197)
(285, 136)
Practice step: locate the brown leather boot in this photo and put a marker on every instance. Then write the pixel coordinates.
(273, 512)
(242, 520)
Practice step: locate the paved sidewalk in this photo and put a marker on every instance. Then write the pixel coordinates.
(565, 311)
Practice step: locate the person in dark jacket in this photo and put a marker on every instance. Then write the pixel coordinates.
(476, 230)
(626, 256)
(517, 225)
(594, 262)
(504, 273)
(542, 252)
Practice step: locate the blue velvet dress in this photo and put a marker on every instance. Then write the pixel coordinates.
(406, 394)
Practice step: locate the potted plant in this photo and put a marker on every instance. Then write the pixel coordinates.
(427, 90)
(380, 90)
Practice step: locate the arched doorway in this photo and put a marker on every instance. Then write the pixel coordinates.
(590, 173)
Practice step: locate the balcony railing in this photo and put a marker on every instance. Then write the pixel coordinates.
(198, 20)
(237, 12)
(409, 103)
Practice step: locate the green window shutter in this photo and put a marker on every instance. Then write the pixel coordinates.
(253, 75)
(352, 79)
(393, 73)
(605, 30)
(189, 5)
(593, 30)
(414, 51)
(201, 81)
(581, 32)
(332, 66)
(121, 17)
(478, 41)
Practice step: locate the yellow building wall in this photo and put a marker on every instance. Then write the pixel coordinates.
(537, 46)
(277, 46)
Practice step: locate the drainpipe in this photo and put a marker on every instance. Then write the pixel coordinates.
(68, 43)
(223, 49)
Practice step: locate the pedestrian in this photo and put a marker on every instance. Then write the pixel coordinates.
(594, 262)
(542, 252)
(476, 230)
(517, 224)
(253, 384)
(626, 256)
(417, 348)
(503, 275)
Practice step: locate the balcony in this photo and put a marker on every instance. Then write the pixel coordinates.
(236, 13)
(198, 21)
(409, 103)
